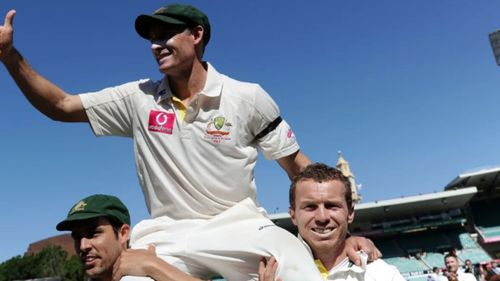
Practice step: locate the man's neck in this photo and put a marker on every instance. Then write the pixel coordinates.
(107, 275)
(189, 83)
(331, 257)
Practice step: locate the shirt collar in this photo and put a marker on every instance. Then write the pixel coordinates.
(212, 88)
(345, 265)
(322, 269)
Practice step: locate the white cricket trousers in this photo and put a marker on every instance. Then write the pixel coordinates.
(230, 245)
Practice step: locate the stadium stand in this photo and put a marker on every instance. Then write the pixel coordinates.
(466, 241)
(486, 216)
(389, 247)
(476, 255)
(483, 209)
(433, 259)
(489, 234)
(416, 253)
(407, 265)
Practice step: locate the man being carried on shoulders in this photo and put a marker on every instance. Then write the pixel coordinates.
(196, 135)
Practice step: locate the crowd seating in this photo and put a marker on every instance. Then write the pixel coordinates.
(476, 255)
(389, 247)
(466, 241)
(489, 234)
(407, 265)
(415, 254)
(433, 259)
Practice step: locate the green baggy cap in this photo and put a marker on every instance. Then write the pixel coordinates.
(98, 205)
(174, 14)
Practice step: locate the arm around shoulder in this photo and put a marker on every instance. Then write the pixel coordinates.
(137, 262)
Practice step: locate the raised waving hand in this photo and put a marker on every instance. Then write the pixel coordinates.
(7, 35)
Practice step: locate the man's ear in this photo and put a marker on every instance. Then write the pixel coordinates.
(124, 234)
(350, 217)
(198, 33)
(291, 212)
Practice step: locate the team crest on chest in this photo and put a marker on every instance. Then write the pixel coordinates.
(218, 130)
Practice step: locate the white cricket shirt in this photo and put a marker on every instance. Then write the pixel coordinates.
(202, 163)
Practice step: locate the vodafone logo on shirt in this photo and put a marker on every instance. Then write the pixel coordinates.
(161, 122)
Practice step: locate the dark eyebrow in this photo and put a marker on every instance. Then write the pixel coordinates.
(307, 203)
(98, 227)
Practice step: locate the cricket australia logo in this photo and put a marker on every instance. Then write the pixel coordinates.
(218, 130)
(79, 207)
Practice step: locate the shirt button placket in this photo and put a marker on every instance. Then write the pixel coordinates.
(191, 113)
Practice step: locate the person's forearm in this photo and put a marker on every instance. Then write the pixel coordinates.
(294, 163)
(48, 98)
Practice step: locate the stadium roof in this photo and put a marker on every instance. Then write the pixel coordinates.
(403, 207)
(414, 205)
(482, 178)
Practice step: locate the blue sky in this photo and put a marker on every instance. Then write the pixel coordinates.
(408, 90)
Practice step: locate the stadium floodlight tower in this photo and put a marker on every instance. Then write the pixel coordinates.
(495, 44)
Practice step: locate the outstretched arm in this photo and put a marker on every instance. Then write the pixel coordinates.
(147, 263)
(41, 93)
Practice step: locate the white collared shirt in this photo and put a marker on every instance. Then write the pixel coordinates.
(462, 276)
(199, 164)
(377, 270)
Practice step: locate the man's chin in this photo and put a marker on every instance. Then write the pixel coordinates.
(321, 244)
(94, 273)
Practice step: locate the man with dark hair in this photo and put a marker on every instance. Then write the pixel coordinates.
(196, 138)
(321, 207)
(320, 173)
(471, 268)
(100, 228)
(434, 274)
(453, 272)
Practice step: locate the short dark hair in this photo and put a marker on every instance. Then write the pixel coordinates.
(115, 224)
(450, 255)
(320, 172)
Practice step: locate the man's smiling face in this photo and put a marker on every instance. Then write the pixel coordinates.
(99, 245)
(321, 214)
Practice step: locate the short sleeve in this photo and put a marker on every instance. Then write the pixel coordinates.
(273, 134)
(110, 111)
